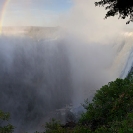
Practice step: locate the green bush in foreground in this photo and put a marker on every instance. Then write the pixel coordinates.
(55, 127)
(111, 110)
(6, 128)
(110, 106)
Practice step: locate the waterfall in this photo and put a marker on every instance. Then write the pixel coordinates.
(41, 73)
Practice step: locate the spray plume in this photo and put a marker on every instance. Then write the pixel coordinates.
(39, 73)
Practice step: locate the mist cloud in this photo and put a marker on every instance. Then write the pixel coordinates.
(39, 74)
(87, 21)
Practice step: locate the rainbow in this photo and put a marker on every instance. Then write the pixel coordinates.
(3, 14)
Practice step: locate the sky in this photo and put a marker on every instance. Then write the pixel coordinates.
(33, 12)
(76, 14)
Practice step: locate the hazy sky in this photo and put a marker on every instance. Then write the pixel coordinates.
(77, 14)
(34, 12)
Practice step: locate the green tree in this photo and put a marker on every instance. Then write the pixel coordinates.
(111, 109)
(8, 128)
(123, 8)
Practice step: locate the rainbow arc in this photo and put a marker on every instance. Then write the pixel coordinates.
(3, 14)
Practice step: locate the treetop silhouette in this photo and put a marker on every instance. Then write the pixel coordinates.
(123, 8)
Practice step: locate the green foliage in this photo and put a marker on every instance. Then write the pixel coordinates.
(124, 126)
(53, 127)
(110, 107)
(123, 8)
(7, 128)
(111, 111)
(56, 127)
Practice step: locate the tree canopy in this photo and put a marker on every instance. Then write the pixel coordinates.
(123, 8)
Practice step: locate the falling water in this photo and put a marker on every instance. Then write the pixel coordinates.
(40, 74)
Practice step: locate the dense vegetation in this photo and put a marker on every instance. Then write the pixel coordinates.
(5, 128)
(111, 111)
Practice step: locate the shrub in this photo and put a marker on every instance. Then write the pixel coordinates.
(6, 128)
(110, 105)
